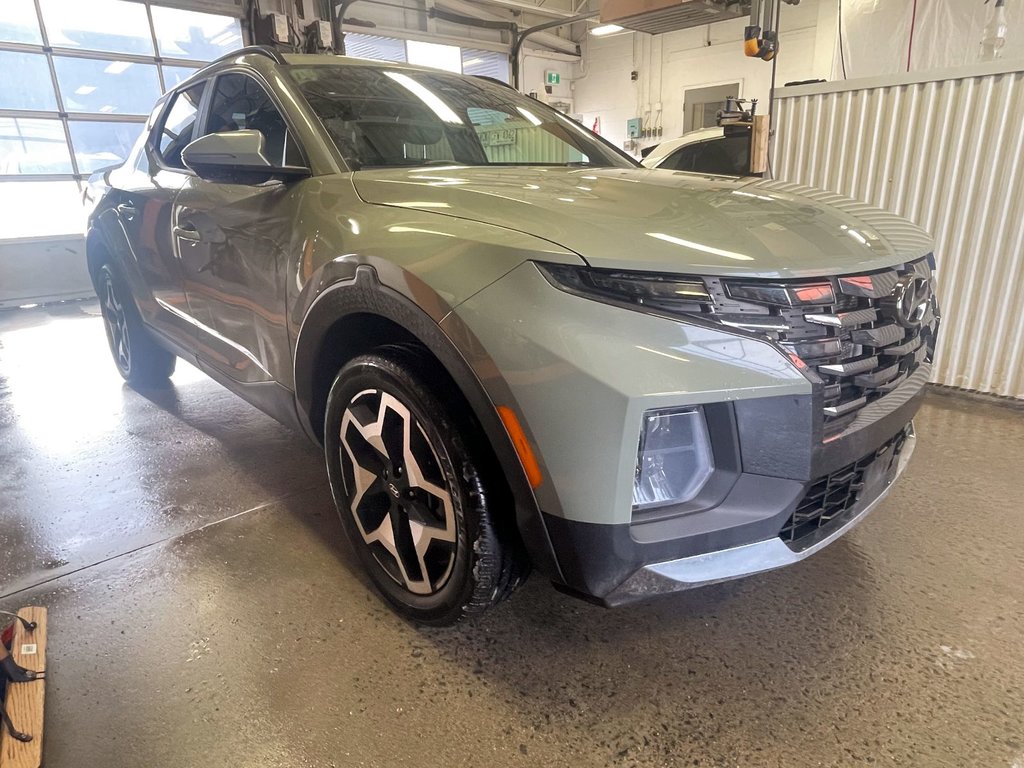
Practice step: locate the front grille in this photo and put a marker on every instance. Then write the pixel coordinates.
(860, 341)
(834, 495)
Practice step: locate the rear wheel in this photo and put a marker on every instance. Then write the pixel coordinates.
(139, 359)
(413, 499)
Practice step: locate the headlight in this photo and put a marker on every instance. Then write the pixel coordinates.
(749, 304)
(674, 460)
(669, 293)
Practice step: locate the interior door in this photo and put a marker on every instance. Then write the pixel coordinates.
(701, 105)
(233, 240)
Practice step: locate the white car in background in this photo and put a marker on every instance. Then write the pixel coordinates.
(708, 150)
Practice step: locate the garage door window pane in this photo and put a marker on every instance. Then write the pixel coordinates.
(435, 55)
(30, 145)
(485, 63)
(98, 25)
(373, 47)
(102, 145)
(36, 208)
(32, 88)
(18, 22)
(175, 76)
(192, 35)
(107, 87)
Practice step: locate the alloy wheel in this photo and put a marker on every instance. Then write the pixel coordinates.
(397, 491)
(117, 325)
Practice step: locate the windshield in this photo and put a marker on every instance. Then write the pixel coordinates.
(382, 117)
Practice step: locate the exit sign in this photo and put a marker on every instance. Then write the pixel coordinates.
(552, 78)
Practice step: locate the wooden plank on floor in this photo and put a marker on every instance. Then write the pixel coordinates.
(25, 700)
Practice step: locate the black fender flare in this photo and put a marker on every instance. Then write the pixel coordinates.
(117, 249)
(364, 294)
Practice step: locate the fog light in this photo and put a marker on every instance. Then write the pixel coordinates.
(674, 460)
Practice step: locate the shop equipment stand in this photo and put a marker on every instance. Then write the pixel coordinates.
(24, 701)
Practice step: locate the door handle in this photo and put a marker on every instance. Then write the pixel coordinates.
(188, 232)
(128, 211)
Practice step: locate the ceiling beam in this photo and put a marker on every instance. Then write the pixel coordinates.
(525, 6)
(476, 9)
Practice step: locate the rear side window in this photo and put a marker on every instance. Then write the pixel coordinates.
(729, 155)
(240, 103)
(178, 128)
(682, 159)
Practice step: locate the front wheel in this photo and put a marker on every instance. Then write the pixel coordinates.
(415, 503)
(139, 359)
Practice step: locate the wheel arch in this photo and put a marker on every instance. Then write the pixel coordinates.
(359, 314)
(97, 253)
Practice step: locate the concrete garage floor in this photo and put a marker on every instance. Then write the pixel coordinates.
(204, 611)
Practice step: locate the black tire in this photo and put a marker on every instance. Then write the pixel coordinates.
(139, 359)
(471, 558)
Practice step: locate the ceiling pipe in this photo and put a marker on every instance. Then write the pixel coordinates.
(546, 39)
(438, 12)
(528, 7)
(517, 46)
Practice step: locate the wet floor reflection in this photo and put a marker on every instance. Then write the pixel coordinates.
(255, 641)
(89, 467)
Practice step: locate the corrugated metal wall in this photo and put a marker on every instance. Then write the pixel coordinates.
(525, 143)
(516, 144)
(949, 155)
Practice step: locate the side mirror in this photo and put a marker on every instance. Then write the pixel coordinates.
(237, 157)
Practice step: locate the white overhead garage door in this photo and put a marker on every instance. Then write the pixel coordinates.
(79, 79)
(468, 61)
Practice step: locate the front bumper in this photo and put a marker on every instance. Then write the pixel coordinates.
(756, 527)
(736, 562)
(573, 371)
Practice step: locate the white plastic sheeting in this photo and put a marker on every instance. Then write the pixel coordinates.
(878, 35)
(948, 155)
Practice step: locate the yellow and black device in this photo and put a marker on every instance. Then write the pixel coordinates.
(760, 46)
(761, 35)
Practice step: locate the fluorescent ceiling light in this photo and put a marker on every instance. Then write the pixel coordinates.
(117, 67)
(606, 29)
(85, 90)
(437, 106)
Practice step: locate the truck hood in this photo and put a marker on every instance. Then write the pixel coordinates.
(662, 221)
